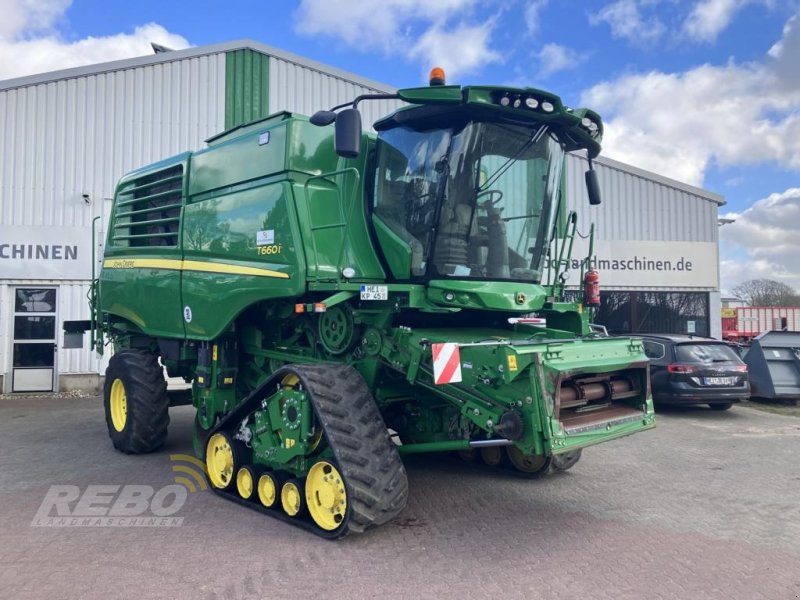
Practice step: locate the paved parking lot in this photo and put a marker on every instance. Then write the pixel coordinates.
(707, 505)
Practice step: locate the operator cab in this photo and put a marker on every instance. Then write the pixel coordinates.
(467, 182)
(473, 199)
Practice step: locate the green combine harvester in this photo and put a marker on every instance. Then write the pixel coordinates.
(338, 300)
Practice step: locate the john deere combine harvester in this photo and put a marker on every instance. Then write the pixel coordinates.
(338, 300)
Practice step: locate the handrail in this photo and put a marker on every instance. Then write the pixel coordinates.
(94, 289)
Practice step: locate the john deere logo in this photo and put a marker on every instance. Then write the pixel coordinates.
(520, 298)
(196, 470)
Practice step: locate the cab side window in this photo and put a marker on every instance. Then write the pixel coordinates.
(654, 350)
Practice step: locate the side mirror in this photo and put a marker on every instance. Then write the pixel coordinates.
(593, 187)
(322, 118)
(347, 141)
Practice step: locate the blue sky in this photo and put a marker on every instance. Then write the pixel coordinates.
(704, 91)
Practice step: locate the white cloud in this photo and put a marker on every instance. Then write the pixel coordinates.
(789, 40)
(460, 50)
(420, 29)
(27, 16)
(532, 15)
(766, 234)
(678, 123)
(709, 18)
(30, 42)
(627, 22)
(51, 53)
(555, 57)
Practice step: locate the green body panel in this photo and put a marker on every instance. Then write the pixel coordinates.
(147, 297)
(262, 265)
(246, 87)
(220, 229)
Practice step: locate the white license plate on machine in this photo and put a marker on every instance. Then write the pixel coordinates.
(719, 380)
(374, 292)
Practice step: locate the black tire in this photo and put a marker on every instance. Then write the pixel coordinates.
(354, 428)
(720, 405)
(147, 403)
(565, 460)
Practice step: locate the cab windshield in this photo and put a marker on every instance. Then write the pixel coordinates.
(475, 201)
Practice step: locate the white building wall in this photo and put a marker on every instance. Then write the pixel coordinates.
(302, 89)
(66, 143)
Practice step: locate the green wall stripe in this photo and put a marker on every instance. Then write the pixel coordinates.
(246, 87)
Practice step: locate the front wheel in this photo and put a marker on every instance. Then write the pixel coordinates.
(566, 460)
(136, 403)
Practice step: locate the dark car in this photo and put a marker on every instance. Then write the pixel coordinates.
(695, 370)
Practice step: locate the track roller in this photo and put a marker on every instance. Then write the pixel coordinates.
(533, 465)
(268, 486)
(493, 456)
(245, 482)
(292, 497)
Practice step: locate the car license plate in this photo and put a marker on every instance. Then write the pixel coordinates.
(374, 292)
(719, 380)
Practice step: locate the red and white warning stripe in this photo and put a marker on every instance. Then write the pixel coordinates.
(446, 363)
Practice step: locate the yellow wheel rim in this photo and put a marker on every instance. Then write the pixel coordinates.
(267, 490)
(532, 463)
(219, 461)
(244, 483)
(492, 456)
(291, 500)
(326, 496)
(118, 405)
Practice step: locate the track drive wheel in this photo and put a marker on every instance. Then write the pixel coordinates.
(135, 401)
(530, 465)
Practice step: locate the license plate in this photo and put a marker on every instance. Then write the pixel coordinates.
(719, 380)
(374, 292)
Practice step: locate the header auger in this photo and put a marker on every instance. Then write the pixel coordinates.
(339, 299)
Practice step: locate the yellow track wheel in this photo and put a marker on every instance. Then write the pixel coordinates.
(492, 456)
(530, 464)
(267, 490)
(118, 404)
(219, 461)
(291, 498)
(325, 495)
(245, 482)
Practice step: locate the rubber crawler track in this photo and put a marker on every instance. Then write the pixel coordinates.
(374, 475)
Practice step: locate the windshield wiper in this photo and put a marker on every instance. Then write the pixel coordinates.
(443, 168)
(521, 217)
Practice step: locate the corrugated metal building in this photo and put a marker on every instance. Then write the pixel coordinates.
(69, 135)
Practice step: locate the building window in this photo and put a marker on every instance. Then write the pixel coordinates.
(654, 312)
